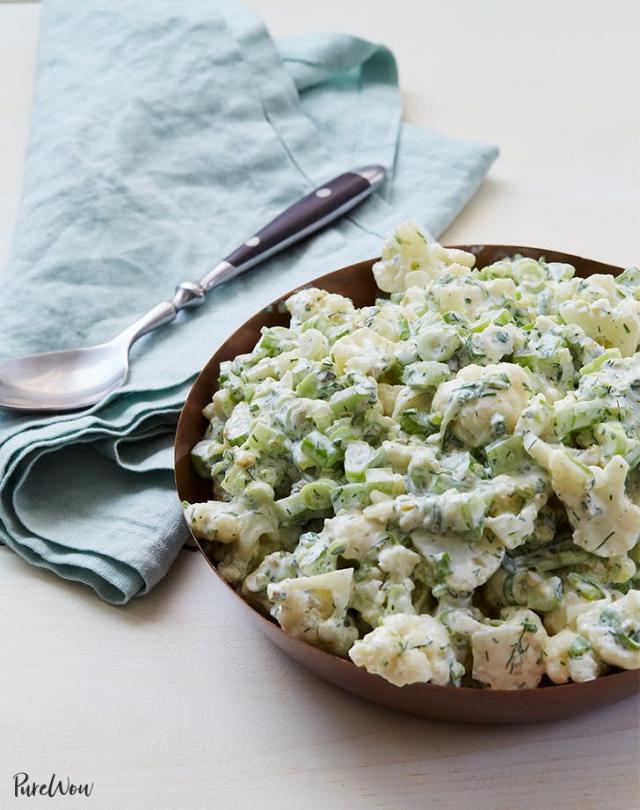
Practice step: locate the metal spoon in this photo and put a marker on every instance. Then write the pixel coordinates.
(64, 381)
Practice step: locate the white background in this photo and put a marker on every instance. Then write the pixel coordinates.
(176, 701)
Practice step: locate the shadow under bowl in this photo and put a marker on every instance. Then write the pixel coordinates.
(426, 700)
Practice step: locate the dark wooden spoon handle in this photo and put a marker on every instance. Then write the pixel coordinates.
(317, 209)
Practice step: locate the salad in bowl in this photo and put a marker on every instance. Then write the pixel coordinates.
(442, 487)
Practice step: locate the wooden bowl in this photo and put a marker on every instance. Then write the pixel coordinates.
(438, 702)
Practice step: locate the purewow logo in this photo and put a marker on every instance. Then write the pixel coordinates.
(23, 785)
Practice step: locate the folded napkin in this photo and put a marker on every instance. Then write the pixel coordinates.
(162, 135)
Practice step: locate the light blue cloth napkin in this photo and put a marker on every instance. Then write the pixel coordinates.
(162, 135)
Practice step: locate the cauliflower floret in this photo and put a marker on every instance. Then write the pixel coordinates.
(617, 326)
(536, 418)
(408, 649)
(313, 345)
(496, 342)
(514, 529)
(462, 294)
(398, 562)
(613, 630)
(477, 394)
(461, 623)
(449, 511)
(510, 655)
(363, 350)
(571, 606)
(596, 287)
(214, 520)
(460, 291)
(315, 609)
(608, 522)
(459, 565)
(604, 519)
(275, 367)
(569, 656)
(390, 321)
(312, 301)
(398, 455)
(367, 594)
(274, 568)
(409, 260)
(357, 537)
(245, 531)
(506, 655)
(569, 478)
(387, 587)
(437, 342)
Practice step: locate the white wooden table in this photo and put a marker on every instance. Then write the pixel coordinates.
(176, 701)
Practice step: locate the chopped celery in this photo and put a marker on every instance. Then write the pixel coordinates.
(265, 439)
(343, 431)
(308, 386)
(600, 360)
(320, 414)
(385, 480)
(292, 510)
(579, 415)
(321, 450)
(274, 340)
(356, 460)
(238, 425)
(317, 495)
(504, 455)
(204, 455)
(351, 400)
(417, 422)
(236, 480)
(317, 385)
(500, 317)
(426, 374)
(586, 587)
(350, 496)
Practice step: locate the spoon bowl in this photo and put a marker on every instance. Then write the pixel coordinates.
(66, 380)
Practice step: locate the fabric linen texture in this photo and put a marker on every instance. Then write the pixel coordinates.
(164, 134)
